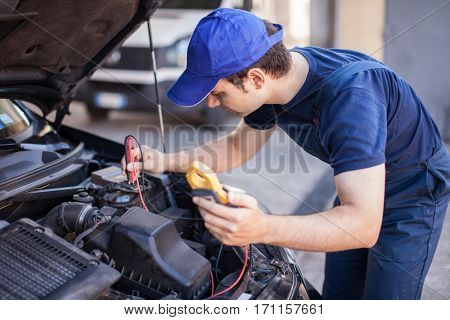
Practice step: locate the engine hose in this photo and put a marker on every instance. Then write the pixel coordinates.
(77, 242)
(69, 217)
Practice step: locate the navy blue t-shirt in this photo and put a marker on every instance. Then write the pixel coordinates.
(374, 116)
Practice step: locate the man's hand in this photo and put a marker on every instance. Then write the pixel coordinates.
(234, 226)
(154, 161)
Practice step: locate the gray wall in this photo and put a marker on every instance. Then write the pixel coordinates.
(322, 23)
(421, 55)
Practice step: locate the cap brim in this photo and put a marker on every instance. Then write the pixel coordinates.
(189, 90)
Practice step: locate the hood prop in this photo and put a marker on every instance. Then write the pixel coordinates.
(155, 77)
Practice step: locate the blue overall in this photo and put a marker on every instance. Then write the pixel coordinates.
(415, 205)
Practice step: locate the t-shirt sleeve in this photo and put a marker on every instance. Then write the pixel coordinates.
(262, 118)
(353, 129)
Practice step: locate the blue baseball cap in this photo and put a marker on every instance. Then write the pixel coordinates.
(224, 42)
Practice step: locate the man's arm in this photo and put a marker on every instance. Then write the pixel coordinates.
(224, 153)
(221, 154)
(354, 224)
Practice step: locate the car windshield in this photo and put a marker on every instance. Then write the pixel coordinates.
(12, 119)
(194, 4)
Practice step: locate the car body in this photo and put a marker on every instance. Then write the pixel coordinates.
(71, 227)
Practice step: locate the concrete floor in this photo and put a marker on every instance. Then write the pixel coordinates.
(282, 177)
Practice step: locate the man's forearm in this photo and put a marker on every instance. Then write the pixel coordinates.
(340, 228)
(224, 153)
(221, 154)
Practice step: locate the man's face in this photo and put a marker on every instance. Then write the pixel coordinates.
(233, 99)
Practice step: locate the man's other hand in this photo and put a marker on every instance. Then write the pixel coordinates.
(234, 226)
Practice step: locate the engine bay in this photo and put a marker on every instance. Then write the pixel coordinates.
(163, 253)
(68, 215)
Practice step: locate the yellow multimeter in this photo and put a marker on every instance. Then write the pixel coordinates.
(205, 183)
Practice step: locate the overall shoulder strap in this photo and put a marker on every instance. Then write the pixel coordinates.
(350, 69)
(345, 71)
(337, 75)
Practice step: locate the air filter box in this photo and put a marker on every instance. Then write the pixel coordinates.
(152, 257)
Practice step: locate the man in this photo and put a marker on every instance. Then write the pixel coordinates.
(390, 164)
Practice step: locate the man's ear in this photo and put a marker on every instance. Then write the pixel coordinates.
(257, 77)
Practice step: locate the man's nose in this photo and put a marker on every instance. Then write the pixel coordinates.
(213, 101)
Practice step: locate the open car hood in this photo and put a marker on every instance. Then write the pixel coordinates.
(47, 48)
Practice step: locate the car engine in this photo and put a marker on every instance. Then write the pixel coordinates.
(127, 252)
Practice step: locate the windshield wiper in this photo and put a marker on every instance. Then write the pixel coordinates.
(11, 145)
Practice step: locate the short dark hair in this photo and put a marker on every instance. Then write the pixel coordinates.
(276, 61)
